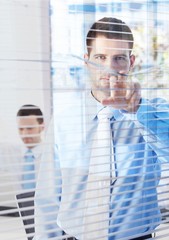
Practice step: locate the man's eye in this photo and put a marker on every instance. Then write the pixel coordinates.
(120, 58)
(100, 57)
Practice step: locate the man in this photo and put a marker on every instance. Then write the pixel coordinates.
(109, 195)
(15, 157)
(30, 122)
(30, 126)
(20, 163)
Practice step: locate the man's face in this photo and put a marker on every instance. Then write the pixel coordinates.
(30, 130)
(108, 55)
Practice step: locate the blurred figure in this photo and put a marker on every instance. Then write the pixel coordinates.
(30, 126)
(19, 163)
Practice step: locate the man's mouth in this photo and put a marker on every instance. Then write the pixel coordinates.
(105, 79)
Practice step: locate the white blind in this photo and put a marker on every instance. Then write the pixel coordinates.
(79, 194)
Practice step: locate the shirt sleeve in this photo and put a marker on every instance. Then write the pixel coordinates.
(152, 118)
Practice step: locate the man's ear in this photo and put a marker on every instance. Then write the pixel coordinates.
(42, 127)
(86, 58)
(132, 61)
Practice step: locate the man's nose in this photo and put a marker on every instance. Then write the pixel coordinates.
(111, 68)
(24, 131)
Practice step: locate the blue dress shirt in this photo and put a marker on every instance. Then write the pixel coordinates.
(141, 144)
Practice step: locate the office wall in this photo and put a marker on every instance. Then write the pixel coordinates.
(24, 60)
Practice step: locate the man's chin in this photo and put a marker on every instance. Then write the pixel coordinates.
(27, 141)
(105, 92)
(101, 93)
(102, 96)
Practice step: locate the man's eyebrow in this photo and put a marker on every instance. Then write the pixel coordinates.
(120, 54)
(115, 55)
(99, 54)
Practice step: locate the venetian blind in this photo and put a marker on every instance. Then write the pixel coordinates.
(72, 199)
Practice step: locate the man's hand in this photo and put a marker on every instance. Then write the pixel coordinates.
(124, 95)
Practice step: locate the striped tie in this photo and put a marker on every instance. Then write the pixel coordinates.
(28, 177)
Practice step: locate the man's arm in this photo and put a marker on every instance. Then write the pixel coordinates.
(150, 116)
(153, 115)
(153, 121)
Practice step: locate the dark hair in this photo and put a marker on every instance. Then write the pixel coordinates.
(111, 28)
(27, 110)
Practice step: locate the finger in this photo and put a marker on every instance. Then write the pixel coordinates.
(130, 90)
(113, 86)
(120, 86)
(134, 101)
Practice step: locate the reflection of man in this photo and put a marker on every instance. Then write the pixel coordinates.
(13, 156)
(109, 194)
(19, 164)
(30, 125)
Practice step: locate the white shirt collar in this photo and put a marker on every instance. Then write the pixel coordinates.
(92, 106)
(37, 150)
